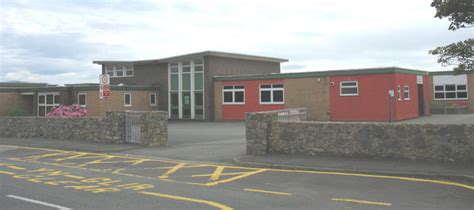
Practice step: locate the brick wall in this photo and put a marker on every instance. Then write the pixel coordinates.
(218, 101)
(470, 84)
(230, 66)
(311, 93)
(96, 106)
(148, 74)
(11, 101)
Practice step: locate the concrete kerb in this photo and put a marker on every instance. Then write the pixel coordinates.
(458, 177)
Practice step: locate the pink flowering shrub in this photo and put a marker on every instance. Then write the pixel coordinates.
(74, 110)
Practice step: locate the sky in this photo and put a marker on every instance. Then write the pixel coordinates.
(55, 41)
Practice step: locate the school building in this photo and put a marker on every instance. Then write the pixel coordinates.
(38, 99)
(215, 86)
(340, 95)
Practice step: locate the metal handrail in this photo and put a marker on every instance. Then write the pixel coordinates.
(296, 114)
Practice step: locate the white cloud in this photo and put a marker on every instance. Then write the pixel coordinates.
(314, 35)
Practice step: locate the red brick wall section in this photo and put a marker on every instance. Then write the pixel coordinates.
(406, 108)
(372, 102)
(252, 99)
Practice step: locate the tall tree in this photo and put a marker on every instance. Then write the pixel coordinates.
(461, 15)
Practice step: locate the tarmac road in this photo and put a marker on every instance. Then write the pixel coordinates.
(35, 178)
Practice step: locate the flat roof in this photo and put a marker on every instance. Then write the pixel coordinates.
(23, 84)
(197, 54)
(450, 72)
(76, 87)
(342, 72)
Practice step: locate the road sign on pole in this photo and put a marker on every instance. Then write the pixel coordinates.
(104, 89)
(104, 81)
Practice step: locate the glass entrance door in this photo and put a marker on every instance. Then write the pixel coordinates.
(174, 105)
(186, 105)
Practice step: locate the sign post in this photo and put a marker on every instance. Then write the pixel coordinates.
(104, 89)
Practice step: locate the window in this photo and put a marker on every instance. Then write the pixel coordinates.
(399, 92)
(82, 99)
(127, 99)
(406, 92)
(450, 92)
(128, 70)
(46, 102)
(109, 70)
(271, 94)
(349, 88)
(233, 94)
(119, 70)
(152, 99)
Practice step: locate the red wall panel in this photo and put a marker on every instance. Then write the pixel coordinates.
(406, 109)
(252, 100)
(372, 102)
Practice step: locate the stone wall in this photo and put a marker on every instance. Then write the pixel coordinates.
(111, 128)
(429, 142)
(257, 131)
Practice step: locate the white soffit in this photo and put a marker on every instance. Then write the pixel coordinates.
(450, 79)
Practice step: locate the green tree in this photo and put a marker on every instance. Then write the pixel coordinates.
(461, 15)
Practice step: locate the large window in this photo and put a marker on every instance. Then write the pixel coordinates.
(450, 92)
(406, 92)
(46, 102)
(127, 99)
(198, 88)
(82, 99)
(233, 94)
(119, 70)
(186, 89)
(272, 94)
(349, 88)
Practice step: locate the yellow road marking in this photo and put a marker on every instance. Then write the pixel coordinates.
(244, 174)
(74, 176)
(79, 156)
(172, 170)
(267, 191)
(99, 161)
(470, 187)
(258, 170)
(7, 172)
(222, 174)
(217, 173)
(209, 203)
(361, 201)
(16, 167)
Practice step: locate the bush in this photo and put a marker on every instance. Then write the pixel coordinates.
(74, 110)
(18, 112)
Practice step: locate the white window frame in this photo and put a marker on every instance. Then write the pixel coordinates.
(115, 69)
(85, 99)
(271, 89)
(399, 92)
(349, 81)
(124, 100)
(154, 96)
(45, 104)
(455, 91)
(233, 90)
(406, 93)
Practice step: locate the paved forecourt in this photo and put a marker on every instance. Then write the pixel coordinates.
(68, 179)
